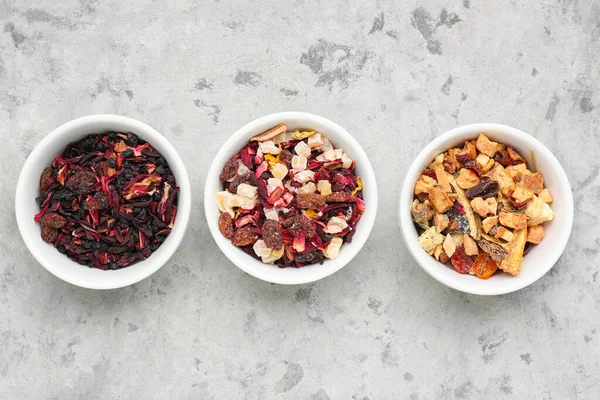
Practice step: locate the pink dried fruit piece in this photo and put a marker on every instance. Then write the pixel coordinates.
(244, 236)
(272, 235)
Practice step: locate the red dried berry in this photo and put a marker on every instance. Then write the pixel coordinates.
(226, 225)
(272, 235)
(54, 220)
(311, 200)
(461, 261)
(49, 234)
(229, 170)
(300, 223)
(244, 236)
(46, 180)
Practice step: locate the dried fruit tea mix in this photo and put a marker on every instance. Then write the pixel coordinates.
(290, 198)
(480, 208)
(107, 201)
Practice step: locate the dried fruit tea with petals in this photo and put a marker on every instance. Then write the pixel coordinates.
(108, 200)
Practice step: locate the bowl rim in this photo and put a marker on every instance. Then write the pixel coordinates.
(406, 193)
(155, 261)
(237, 257)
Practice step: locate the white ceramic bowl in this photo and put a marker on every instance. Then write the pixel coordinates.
(340, 139)
(28, 188)
(541, 257)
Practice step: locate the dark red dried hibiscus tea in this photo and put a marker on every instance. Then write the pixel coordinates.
(109, 200)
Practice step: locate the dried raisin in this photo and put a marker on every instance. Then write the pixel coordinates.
(286, 157)
(229, 170)
(226, 225)
(81, 181)
(495, 251)
(271, 234)
(49, 234)
(338, 197)
(300, 223)
(238, 180)
(54, 220)
(46, 180)
(244, 236)
(310, 200)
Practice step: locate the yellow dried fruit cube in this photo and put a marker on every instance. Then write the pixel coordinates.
(467, 178)
(449, 245)
(423, 184)
(513, 221)
(470, 245)
(440, 221)
(482, 160)
(534, 182)
(279, 171)
(485, 207)
(545, 196)
(324, 187)
(489, 223)
(439, 199)
(504, 234)
(430, 239)
(442, 179)
(535, 234)
(521, 195)
(538, 212)
(486, 146)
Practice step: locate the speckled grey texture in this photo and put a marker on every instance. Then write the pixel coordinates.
(395, 74)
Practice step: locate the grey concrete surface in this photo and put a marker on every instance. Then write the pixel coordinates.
(395, 74)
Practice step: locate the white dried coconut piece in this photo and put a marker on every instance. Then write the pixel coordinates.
(307, 188)
(346, 161)
(302, 149)
(247, 190)
(332, 251)
(299, 162)
(279, 171)
(324, 187)
(304, 176)
(273, 183)
(269, 147)
(335, 225)
(315, 140)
